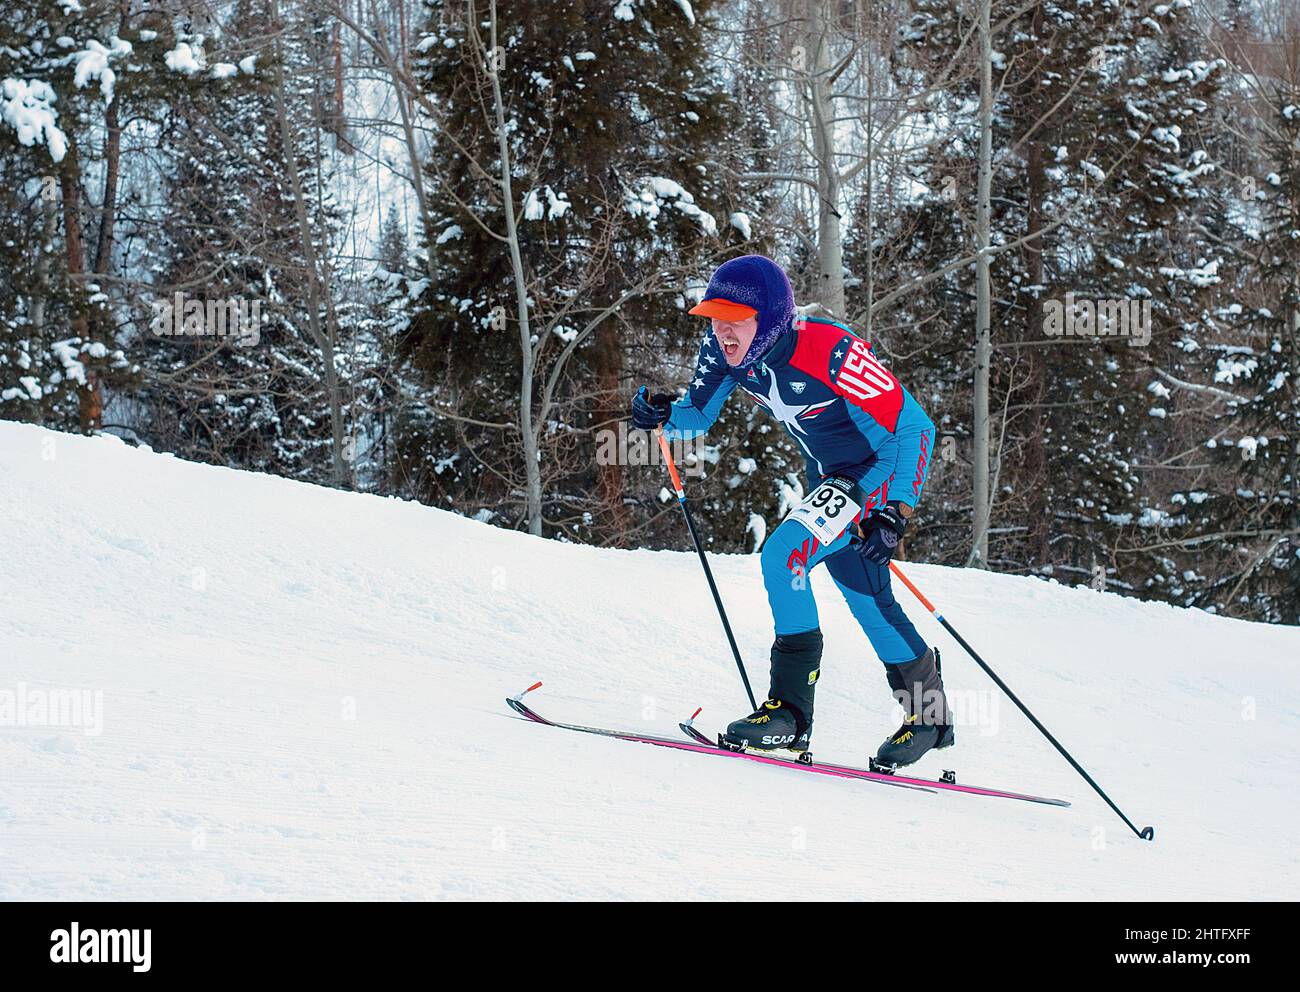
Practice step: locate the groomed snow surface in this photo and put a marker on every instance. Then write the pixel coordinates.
(298, 693)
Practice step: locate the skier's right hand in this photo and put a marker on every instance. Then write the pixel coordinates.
(880, 533)
(649, 412)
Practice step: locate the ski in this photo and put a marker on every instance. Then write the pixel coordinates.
(946, 784)
(517, 704)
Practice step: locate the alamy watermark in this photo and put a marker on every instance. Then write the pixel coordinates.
(970, 708)
(77, 708)
(233, 317)
(631, 446)
(74, 945)
(1085, 318)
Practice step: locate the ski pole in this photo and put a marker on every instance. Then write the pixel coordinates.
(1146, 833)
(699, 550)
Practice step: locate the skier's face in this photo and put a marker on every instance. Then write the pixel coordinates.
(735, 337)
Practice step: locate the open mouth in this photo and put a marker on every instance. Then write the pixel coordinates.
(731, 347)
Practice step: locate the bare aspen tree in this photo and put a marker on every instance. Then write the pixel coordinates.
(493, 57)
(983, 351)
(820, 109)
(553, 322)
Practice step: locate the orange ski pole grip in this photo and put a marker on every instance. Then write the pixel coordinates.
(672, 466)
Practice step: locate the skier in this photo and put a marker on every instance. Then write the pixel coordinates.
(867, 444)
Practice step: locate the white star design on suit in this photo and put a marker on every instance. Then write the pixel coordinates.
(697, 383)
(788, 413)
(839, 354)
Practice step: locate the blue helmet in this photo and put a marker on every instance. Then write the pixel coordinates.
(749, 285)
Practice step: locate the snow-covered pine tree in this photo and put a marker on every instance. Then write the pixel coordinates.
(1252, 568)
(382, 388)
(1096, 195)
(618, 138)
(231, 233)
(36, 353)
(70, 76)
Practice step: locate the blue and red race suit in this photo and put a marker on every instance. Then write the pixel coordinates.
(851, 417)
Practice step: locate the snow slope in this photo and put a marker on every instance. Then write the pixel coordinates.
(302, 696)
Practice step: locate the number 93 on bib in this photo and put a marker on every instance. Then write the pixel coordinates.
(828, 509)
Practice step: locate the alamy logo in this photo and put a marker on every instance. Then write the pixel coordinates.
(1123, 318)
(234, 317)
(77, 946)
(622, 446)
(32, 707)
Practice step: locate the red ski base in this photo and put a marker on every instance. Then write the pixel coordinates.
(700, 744)
(523, 710)
(945, 784)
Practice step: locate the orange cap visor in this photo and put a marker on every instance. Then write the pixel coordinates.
(723, 310)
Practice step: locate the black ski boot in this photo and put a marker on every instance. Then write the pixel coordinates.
(918, 687)
(769, 727)
(785, 719)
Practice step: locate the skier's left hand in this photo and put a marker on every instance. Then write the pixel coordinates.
(881, 532)
(650, 411)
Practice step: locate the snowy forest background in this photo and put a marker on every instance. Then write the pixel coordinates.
(346, 164)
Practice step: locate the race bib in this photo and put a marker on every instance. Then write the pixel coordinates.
(828, 509)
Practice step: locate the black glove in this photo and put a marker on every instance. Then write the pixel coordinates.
(649, 412)
(880, 534)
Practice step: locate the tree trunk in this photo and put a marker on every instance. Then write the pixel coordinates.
(338, 118)
(413, 156)
(1035, 461)
(108, 215)
(869, 263)
(830, 244)
(1291, 458)
(983, 292)
(609, 369)
(41, 287)
(90, 398)
(530, 439)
